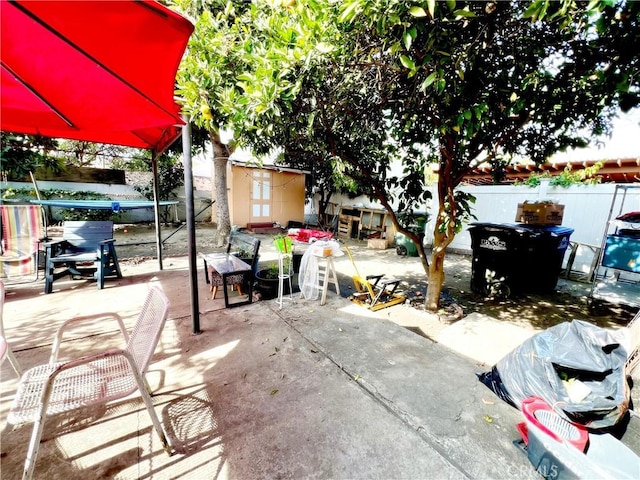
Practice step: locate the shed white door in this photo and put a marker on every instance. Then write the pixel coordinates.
(261, 196)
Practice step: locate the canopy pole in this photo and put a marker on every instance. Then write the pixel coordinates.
(156, 207)
(35, 185)
(191, 225)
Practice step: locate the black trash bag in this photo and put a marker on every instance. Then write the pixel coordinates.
(492, 380)
(576, 367)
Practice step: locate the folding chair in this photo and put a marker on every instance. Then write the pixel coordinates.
(94, 379)
(23, 230)
(373, 291)
(7, 352)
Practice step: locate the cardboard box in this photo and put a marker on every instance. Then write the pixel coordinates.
(633, 344)
(377, 243)
(321, 251)
(540, 213)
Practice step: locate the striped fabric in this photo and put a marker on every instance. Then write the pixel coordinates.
(22, 230)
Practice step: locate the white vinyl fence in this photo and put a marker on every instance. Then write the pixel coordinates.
(586, 210)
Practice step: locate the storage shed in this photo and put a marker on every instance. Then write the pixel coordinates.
(264, 195)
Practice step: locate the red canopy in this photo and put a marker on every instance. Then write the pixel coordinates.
(91, 70)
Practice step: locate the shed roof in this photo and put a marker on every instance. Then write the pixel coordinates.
(278, 168)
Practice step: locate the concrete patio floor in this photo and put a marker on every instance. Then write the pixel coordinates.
(306, 391)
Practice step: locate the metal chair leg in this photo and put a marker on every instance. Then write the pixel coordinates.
(285, 266)
(14, 362)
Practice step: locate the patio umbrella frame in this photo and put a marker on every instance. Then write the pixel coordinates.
(119, 61)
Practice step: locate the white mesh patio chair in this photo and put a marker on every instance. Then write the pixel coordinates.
(7, 352)
(94, 379)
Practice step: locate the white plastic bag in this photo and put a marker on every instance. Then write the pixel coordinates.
(309, 276)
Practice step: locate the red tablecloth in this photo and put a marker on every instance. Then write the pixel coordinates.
(306, 235)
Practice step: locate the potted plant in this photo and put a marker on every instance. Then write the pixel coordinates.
(267, 281)
(246, 256)
(284, 244)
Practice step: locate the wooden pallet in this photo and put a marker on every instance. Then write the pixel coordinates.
(264, 227)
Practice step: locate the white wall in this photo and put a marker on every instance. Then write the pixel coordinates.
(586, 210)
(586, 207)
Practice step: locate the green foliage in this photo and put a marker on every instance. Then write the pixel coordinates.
(568, 177)
(463, 204)
(27, 194)
(90, 154)
(132, 164)
(468, 82)
(247, 63)
(241, 68)
(18, 194)
(21, 154)
(270, 271)
(170, 177)
(359, 83)
(499, 169)
(242, 253)
(87, 214)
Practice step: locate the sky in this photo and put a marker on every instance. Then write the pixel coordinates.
(624, 142)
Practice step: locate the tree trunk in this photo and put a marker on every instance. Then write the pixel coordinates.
(382, 198)
(436, 280)
(443, 234)
(220, 159)
(436, 266)
(323, 202)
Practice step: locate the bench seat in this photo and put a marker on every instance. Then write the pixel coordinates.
(243, 246)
